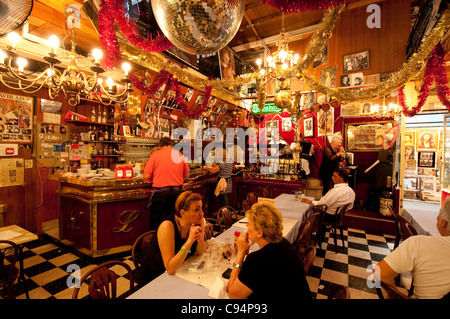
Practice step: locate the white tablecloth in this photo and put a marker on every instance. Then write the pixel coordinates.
(422, 216)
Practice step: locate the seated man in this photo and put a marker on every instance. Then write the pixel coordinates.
(426, 257)
(338, 196)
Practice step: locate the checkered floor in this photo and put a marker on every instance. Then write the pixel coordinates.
(46, 264)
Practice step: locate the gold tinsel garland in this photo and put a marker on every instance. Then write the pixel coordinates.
(410, 70)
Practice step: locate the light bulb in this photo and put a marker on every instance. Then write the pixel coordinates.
(21, 63)
(110, 83)
(13, 37)
(284, 66)
(259, 63)
(53, 43)
(2, 57)
(283, 55)
(126, 67)
(269, 59)
(99, 81)
(262, 71)
(97, 53)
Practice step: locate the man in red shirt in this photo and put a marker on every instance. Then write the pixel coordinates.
(166, 168)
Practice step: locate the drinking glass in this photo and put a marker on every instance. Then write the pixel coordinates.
(214, 256)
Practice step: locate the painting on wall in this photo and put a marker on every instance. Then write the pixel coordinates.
(328, 76)
(16, 118)
(426, 140)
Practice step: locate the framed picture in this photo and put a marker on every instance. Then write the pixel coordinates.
(410, 152)
(366, 108)
(271, 126)
(16, 118)
(308, 127)
(308, 99)
(426, 140)
(350, 110)
(325, 122)
(427, 159)
(286, 125)
(328, 76)
(366, 137)
(189, 94)
(410, 138)
(126, 130)
(356, 61)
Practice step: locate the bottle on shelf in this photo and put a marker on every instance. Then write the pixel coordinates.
(99, 115)
(106, 135)
(93, 135)
(104, 116)
(387, 197)
(93, 116)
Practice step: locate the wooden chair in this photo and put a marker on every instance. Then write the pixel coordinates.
(387, 291)
(8, 272)
(315, 214)
(266, 192)
(226, 215)
(246, 205)
(404, 229)
(334, 225)
(303, 238)
(139, 247)
(339, 292)
(103, 281)
(212, 228)
(252, 197)
(308, 258)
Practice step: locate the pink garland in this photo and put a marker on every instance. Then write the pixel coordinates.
(114, 10)
(166, 77)
(435, 66)
(302, 5)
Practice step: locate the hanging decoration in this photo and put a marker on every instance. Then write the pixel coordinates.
(435, 67)
(302, 5)
(166, 77)
(115, 10)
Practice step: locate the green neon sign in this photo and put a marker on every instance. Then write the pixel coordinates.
(268, 108)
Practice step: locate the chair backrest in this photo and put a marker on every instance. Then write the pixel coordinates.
(387, 291)
(340, 212)
(212, 228)
(252, 197)
(308, 257)
(103, 281)
(303, 238)
(339, 292)
(9, 272)
(315, 214)
(266, 192)
(227, 216)
(406, 228)
(246, 205)
(140, 245)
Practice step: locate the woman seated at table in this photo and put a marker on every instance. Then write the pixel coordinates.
(273, 271)
(178, 237)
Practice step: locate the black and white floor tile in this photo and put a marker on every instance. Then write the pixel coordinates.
(46, 264)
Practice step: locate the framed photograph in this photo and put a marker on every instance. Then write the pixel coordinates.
(410, 152)
(286, 125)
(356, 79)
(410, 138)
(199, 99)
(189, 94)
(345, 80)
(426, 140)
(356, 61)
(227, 66)
(325, 122)
(427, 159)
(16, 116)
(328, 76)
(126, 130)
(366, 137)
(366, 108)
(271, 126)
(426, 172)
(308, 99)
(308, 127)
(350, 110)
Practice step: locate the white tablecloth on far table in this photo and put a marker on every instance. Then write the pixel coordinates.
(291, 208)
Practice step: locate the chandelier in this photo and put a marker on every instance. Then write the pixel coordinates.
(72, 82)
(277, 65)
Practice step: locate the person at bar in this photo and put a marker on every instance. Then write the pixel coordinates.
(426, 257)
(178, 237)
(166, 169)
(330, 161)
(224, 170)
(272, 272)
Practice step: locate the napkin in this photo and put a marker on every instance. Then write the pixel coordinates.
(218, 289)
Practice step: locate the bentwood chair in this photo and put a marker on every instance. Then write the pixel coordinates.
(267, 192)
(387, 291)
(103, 281)
(252, 197)
(212, 228)
(246, 205)
(227, 216)
(315, 214)
(303, 238)
(333, 226)
(8, 272)
(339, 292)
(308, 258)
(404, 228)
(139, 247)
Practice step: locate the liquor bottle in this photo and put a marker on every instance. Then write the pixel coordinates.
(104, 116)
(93, 117)
(106, 134)
(99, 115)
(387, 197)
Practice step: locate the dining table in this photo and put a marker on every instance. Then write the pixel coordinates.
(199, 277)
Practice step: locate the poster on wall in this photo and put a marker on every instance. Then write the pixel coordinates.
(12, 172)
(325, 122)
(16, 118)
(426, 140)
(328, 76)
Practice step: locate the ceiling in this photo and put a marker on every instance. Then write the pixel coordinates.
(260, 27)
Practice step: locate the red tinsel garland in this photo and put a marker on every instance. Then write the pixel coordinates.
(166, 77)
(115, 10)
(302, 5)
(435, 67)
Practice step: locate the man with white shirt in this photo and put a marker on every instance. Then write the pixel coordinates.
(426, 257)
(336, 197)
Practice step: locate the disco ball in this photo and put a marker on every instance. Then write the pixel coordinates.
(199, 27)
